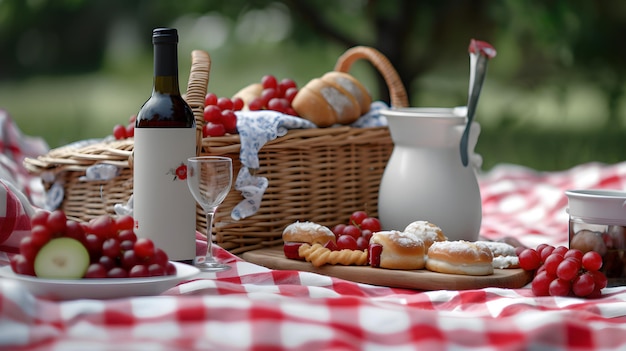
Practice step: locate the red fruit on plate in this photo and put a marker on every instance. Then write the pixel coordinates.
(372, 224)
(347, 242)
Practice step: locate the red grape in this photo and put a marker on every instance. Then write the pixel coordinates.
(372, 224)
(155, 270)
(362, 243)
(39, 218)
(212, 114)
(107, 262)
(256, 104)
(129, 259)
(583, 285)
(130, 130)
(357, 217)
(529, 260)
(28, 249)
(103, 226)
(40, 235)
(574, 253)
(599, 278)
(268, 94)
(117, 272)
(545, 252)
(352, 231)
(541, 284)
(171, 269)
(125, 222)
(568, 269)
(269, 82)
(225, 103)
(347, 242)
(229, 120)
(559, 287)
(210, 99)
(213, 129)
(75, 230)
(592, 261)
(138, 271)
(22, 265)
(290, 94)
(238, 104)
(144, 248)
(57, 222)
(552, 263)
(286, 84)
(119, 132)
(96, 270)
(127, 234)
(338, 229)
(111, 247)
(561, 250)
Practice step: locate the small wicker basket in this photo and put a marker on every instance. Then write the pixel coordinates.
(319, 175)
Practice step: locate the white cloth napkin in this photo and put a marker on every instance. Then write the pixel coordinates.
(256, 128)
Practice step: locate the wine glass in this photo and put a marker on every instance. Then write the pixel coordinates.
(209, 179)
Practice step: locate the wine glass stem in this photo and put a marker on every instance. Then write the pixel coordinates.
(209, 235)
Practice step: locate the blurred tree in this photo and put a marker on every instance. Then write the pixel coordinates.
(538, 41)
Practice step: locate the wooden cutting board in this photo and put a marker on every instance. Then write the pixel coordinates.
(274, 258)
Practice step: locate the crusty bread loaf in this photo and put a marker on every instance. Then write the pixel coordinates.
(352, 86)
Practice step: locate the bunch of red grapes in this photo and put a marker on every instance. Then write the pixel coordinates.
(219, 115)
(564, 272)
(276, 96)
(102, 248)
(357, 233)
(121, 131)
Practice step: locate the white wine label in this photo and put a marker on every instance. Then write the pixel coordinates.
(164, 209)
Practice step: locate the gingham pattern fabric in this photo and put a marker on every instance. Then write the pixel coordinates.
(254, 308)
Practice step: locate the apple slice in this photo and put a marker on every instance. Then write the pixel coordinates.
(62, 258)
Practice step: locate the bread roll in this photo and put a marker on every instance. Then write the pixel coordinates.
(352, 86)
(399, 250)
(298, 233)
(460, 257)
(426, 231)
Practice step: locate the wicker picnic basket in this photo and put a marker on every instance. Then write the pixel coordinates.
(319, 175)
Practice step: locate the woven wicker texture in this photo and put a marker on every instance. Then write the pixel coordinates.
(320, 175)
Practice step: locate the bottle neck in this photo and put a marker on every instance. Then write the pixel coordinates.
(166, 69)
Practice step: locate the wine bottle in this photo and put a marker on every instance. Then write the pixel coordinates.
(165, 136)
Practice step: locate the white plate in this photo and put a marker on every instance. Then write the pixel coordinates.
(107, 288)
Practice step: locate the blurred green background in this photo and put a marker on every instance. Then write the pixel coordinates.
(553, 97)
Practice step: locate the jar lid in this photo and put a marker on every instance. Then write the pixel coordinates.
(607, 206)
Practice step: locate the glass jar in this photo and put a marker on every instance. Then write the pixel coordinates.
(597, 222)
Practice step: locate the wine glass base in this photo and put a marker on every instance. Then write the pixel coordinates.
(209, 266)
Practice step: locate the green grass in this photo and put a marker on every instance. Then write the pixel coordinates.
(546, 128)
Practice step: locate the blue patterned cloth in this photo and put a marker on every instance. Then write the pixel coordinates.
(256, 128)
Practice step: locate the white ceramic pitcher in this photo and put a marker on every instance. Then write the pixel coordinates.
(425, 178)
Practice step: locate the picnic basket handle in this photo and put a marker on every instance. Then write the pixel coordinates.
(397, 91)
(197, 89)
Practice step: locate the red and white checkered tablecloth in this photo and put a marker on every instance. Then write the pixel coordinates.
(253, 308)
